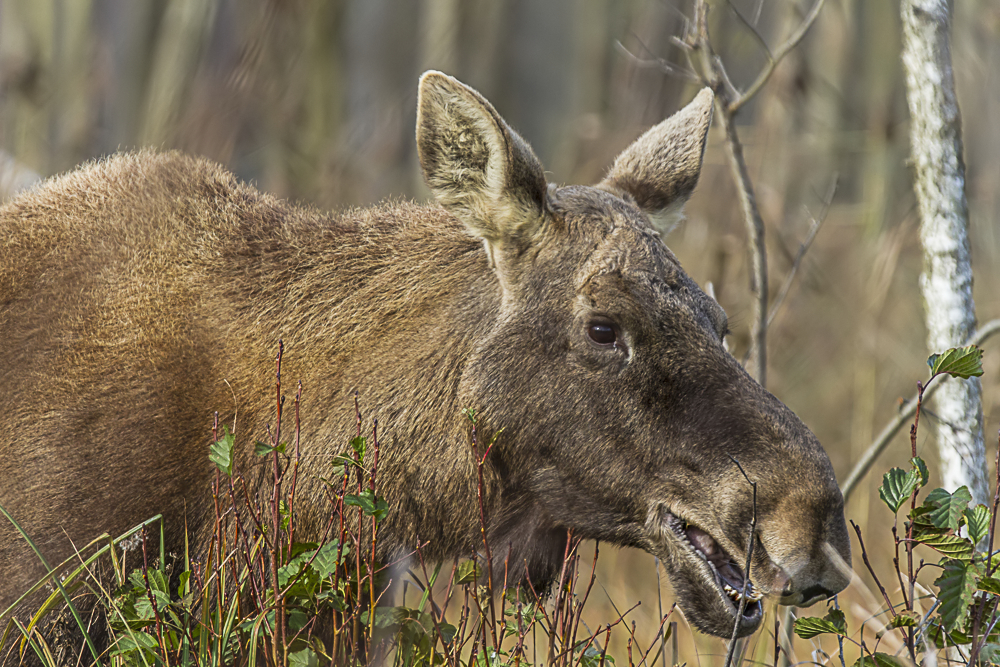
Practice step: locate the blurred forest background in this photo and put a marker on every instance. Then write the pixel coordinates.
(316, 101)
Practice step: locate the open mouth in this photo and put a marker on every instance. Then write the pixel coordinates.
(698, 562)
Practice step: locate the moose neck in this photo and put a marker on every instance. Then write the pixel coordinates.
(396, 332)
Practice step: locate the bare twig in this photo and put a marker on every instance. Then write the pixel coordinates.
(753, 30)
(758, 250)
(152, 600)
(980, 608)
(867, 459)
(871, 570)
(777, 633)
(817, 222)
(714, 74)
(773, 60)
(656, 62)
(483, 524)
(746, 569)
(279, 600)
(295, 470)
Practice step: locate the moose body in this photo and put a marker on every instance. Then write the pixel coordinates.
(141, 293)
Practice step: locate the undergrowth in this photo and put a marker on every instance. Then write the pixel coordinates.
(258, 594)
(954, 619)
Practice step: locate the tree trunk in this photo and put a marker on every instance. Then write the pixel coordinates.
(946, 283)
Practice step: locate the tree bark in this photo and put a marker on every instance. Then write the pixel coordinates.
(946, 282)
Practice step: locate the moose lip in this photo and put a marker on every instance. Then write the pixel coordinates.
(722, 568)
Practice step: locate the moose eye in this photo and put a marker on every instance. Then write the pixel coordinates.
(602, 333)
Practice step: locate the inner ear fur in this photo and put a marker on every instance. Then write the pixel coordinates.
(476, 165)
(660, 169)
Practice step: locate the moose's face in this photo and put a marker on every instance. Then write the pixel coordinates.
(630, 421)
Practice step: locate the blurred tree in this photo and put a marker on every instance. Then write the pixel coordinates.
(946, 282)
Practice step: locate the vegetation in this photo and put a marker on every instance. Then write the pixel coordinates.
(259, 595)
(255, 594)
(961, 609)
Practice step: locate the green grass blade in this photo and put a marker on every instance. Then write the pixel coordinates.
(55, 580)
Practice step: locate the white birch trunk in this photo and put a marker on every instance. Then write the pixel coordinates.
(939, 182)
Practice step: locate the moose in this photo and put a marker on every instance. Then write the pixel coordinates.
(141, 292)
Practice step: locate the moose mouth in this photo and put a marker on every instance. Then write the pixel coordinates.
(709, 583)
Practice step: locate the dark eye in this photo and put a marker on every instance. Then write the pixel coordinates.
(602, 333)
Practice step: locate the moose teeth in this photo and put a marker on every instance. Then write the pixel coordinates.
(753, 595)
(680, 529)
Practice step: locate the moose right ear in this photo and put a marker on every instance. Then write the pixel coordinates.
(660, 169)
(476, 165)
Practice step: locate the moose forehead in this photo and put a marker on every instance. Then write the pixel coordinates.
(621, 258)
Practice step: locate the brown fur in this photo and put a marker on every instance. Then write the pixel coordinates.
(140, 293)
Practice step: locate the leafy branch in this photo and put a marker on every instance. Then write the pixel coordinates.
(944, 522)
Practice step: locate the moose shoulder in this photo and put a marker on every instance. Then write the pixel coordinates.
(139, 293)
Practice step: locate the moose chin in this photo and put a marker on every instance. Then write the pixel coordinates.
(141, 292)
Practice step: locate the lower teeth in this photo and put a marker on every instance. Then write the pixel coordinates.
(752, 595)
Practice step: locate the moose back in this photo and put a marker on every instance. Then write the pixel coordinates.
(140, 293)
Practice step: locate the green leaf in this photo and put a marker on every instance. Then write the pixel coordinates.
(950, 507)
(221, 452)
(297, 619)
(990, 585)
(836, 616)
(138, 581)
(371, 504)
(978, 520)
(832, 623)
(144, 608)
(332, 599)
(286, 516)
(303, 658)
(341, 461)
(158, 581)
(957, 584)
(955, 638)
(183, 581)
(990, 654)
(381, 508)
(448, 632)
(918, 464)
(290, 570)
(326, 560)
(305, 582)
(131, 642)
(942, 540)
(467, 573)
(359, 445)
(880, 660)
(591, 656)
(962, 362)
(261, 448)
(386, 617)
(904, 620)
(897, 486)
(942, 639)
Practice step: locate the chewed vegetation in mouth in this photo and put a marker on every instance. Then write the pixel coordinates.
(728, 574)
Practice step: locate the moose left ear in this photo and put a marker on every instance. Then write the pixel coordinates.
(660, 169)
(476, 165)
